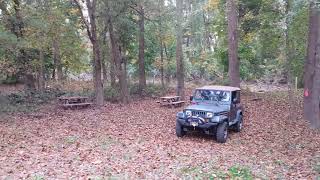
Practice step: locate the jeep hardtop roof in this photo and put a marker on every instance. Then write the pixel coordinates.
(220, 88)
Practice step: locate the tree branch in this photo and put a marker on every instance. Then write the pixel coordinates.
(86, 23)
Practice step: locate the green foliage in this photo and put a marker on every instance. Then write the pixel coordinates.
(238, 172)
(42, 21)
(316, 164)
(235, 172)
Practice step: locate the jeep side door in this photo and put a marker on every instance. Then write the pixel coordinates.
(235, 104)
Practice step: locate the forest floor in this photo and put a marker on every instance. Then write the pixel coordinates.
(138, 141)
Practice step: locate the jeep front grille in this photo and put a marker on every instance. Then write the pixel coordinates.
(199, 113)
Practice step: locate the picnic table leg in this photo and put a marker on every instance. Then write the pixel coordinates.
(171, 101)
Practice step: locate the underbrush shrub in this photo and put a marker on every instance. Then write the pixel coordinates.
(10, 80)
(25, 101)
(152, 90)
(85, 92)
(112, 94)
(134, 89)
(34, 97)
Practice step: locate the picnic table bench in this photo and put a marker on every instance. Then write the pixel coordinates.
(74, 102)
(171, 101)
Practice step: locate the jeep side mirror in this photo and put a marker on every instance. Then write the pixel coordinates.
(191, 98)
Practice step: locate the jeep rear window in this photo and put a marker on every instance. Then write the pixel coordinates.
(212, 95)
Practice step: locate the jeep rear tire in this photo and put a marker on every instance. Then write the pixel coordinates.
(179, 130)
(222, 132)
(239, 125)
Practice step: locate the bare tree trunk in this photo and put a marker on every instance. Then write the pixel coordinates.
(162, 65)
(161, 44)
(112, 74)
(103, 61)
(119, 61)
(92, 33)
(104, 54)
(57, 60)
(104, 69)
(41, 81)
(98, 85)
(288, 64)
(123, 80)
(310, 61)
(312, 70)
(142, 75)
(315, 95)
(207, 33)
(168, 62)
(179, 53)
(234, 72)
(111, 62)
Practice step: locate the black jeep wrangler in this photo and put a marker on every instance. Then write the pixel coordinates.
(214, 110)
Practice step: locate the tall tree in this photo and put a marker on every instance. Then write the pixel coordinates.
(179, 53)
(104, 53)
(118, 60)
(312, 69)
(91, 27)
(234, 70)
(142, 74)
(16, 25)
(161, 4)
(288, 60)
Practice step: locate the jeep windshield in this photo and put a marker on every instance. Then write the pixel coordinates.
(212, 96)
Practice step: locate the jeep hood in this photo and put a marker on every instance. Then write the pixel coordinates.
(208, 107)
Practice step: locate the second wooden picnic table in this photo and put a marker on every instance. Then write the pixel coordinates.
(73, 101)
(171, 101)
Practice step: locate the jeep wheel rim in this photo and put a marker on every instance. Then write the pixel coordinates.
(225, 133)
(240, 123)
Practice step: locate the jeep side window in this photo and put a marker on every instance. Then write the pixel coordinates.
(236, 95)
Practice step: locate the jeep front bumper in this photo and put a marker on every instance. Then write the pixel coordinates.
(196, 123)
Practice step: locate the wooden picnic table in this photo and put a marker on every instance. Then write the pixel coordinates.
(171, 101)
(74, 101)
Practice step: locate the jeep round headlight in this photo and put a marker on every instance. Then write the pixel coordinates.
(188, 113)
(209, 115)
(180, 115)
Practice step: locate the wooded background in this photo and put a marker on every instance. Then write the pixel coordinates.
(128, 41)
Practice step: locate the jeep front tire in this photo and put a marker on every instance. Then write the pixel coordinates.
(222, 132)
(179, 130)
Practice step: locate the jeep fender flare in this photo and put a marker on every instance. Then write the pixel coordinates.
(224, 118)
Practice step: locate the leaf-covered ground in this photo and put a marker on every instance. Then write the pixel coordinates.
(138, 141)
